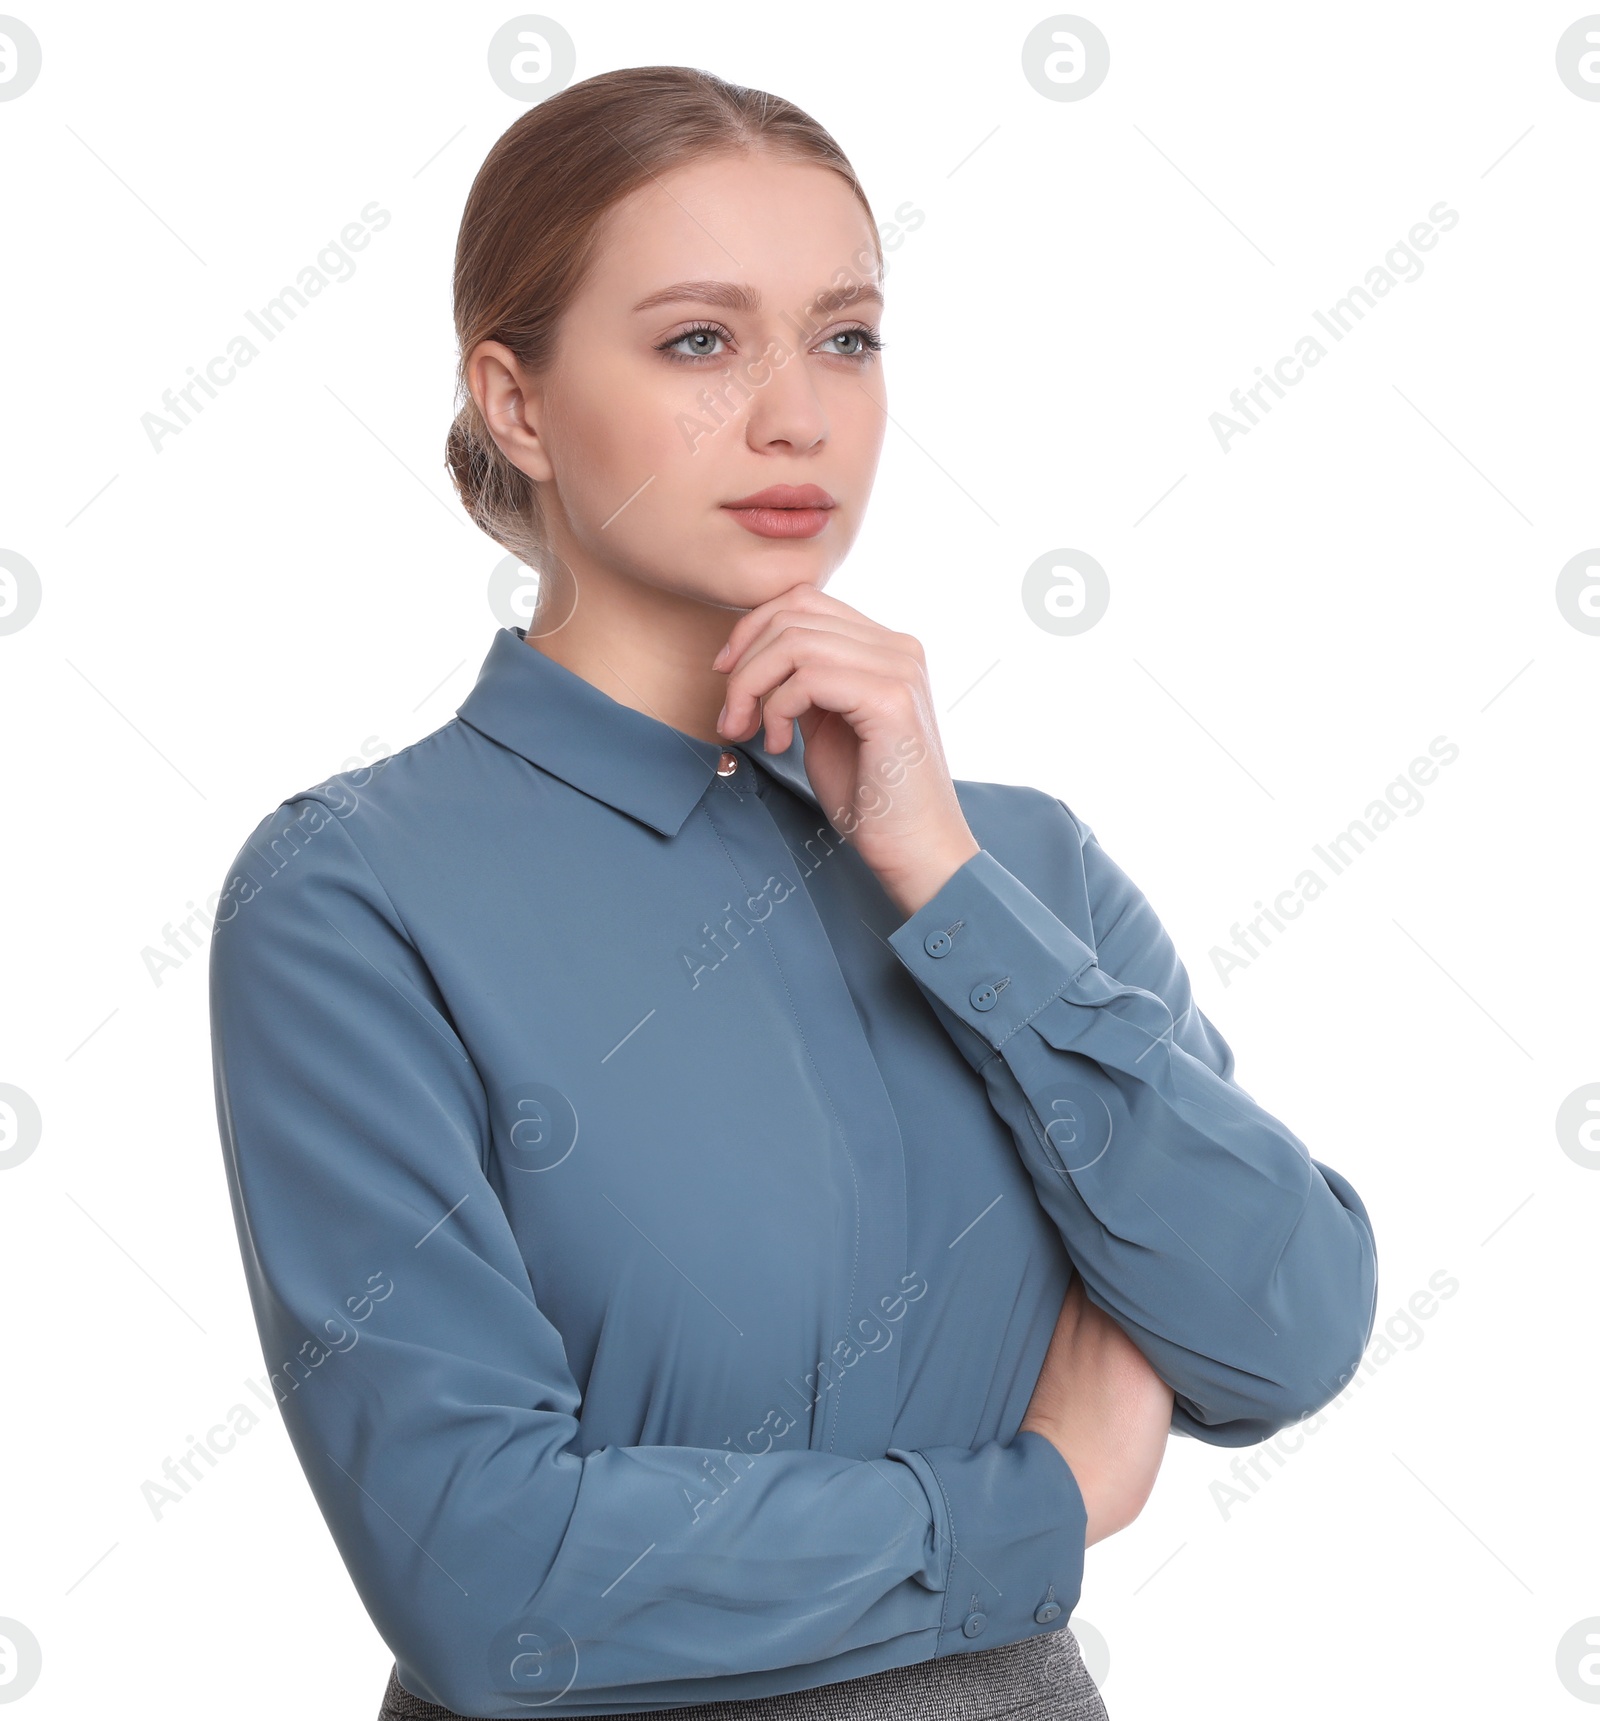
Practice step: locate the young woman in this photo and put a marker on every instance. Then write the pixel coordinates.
(731, 1213)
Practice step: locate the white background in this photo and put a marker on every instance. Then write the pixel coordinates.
(1374, 565)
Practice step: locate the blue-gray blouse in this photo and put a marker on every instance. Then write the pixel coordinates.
(655, 1237)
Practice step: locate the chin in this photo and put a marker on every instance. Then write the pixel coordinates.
(775, 575)
(752, 576)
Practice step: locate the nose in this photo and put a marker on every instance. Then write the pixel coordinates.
(784, 409)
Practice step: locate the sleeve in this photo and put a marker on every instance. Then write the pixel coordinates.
(431, 1404)
(1244, 1269)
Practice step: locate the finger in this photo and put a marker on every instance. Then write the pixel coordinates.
(860, 696)
(750, 691)
(803, 596)
(793, 649)
(796, 641)
(792, 616)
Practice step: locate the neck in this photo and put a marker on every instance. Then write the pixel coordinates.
(645, 647)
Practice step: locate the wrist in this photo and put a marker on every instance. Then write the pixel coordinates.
(914, 887)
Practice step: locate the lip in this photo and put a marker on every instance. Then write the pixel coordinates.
(785, 496)
(783, 511)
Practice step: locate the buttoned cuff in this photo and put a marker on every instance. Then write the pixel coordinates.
(1013, 1520)
(989, 950)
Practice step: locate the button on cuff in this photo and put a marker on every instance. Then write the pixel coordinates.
(989, 950)
(1015, 1522)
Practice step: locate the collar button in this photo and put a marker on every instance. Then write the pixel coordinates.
(727, 764)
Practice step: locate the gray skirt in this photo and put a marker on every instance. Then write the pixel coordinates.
(1041, 1678)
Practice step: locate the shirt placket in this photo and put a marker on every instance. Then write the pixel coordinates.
(862, 1368)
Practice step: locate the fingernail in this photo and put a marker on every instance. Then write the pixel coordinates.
(716, 661)
(722, 717)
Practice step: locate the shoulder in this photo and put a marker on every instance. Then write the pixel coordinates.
(385, 802)
(320, 846)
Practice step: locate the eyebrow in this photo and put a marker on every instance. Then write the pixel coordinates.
(734, 297)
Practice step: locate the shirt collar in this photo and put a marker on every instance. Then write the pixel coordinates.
(630, 760)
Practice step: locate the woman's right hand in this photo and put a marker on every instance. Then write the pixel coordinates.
(1105, 1409)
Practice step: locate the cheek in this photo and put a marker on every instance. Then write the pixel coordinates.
(863, 415)
(637, 426)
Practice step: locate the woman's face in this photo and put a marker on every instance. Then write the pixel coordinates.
(703, 361)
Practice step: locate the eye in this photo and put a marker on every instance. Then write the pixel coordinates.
(870, 341)
(695, 345)
(701, 334)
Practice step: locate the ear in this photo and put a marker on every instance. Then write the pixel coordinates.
(511, 407)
